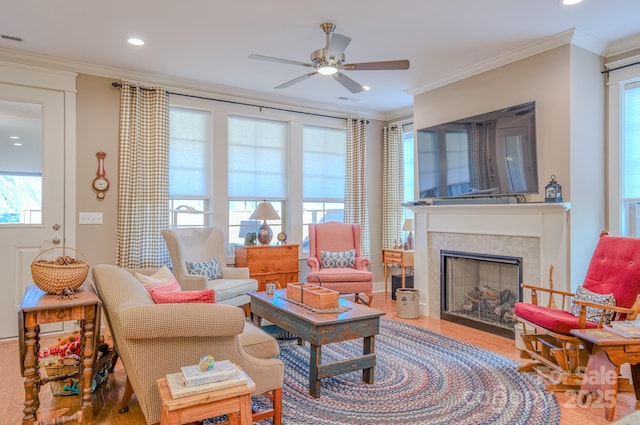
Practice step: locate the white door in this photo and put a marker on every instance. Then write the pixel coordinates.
(32, 146)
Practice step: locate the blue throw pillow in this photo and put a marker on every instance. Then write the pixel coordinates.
(338, 259)
(211, 268)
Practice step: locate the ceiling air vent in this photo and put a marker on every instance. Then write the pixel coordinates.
(11, 37)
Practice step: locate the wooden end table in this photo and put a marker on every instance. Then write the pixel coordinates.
(39, 308)
(608, 351)
(397, 257)
(234, 401)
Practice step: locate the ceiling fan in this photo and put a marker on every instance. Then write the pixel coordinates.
(330, 60)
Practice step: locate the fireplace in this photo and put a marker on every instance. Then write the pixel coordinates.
(480, 290)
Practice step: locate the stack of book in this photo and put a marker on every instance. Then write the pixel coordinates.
(192, 380)
(626, 328)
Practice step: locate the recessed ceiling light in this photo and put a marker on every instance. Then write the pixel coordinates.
(17, 144)
(135, 41)
(14, 137)
(366, 88)
(571, 2)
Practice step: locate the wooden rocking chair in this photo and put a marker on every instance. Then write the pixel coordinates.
(558, 356)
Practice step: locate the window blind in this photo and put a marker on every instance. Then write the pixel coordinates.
(257, 158)
(323, 163)
(189, 154)
(631, 135)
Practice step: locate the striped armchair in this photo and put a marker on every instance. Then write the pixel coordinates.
(155, 339)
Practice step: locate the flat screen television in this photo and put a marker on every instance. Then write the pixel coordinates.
(487, 155)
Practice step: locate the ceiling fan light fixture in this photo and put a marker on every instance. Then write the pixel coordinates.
(327, 69)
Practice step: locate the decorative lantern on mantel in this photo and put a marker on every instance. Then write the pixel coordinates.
(553, 191)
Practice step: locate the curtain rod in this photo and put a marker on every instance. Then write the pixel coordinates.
(607, 71)
(261, 107)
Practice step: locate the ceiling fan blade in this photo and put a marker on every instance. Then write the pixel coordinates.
(272, 59)
(296, 80)
(348, 83)
(377, 66)
(337, 46)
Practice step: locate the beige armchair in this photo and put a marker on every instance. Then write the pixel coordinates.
(155, 339)
(203, 244)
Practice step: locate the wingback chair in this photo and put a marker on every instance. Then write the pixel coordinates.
(203, 244)
(155, 339)
(610, 291)
(336, 262)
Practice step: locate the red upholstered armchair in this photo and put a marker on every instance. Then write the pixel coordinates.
(336, 261)
(613, 277)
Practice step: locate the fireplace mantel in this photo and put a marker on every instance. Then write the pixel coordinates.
(498, 227)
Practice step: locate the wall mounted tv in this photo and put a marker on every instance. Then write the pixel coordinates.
(489, 155)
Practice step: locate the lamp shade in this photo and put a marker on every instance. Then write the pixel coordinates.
(264, 211)
(408, 225)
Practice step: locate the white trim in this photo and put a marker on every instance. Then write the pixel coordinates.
(622, 62)
(179, 85)
(617, 80)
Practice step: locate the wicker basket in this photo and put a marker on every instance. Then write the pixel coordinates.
(55, 278)
(65, 386)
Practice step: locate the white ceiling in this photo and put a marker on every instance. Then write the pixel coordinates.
(206, 44)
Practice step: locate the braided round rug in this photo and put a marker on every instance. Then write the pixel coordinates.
(421, 377)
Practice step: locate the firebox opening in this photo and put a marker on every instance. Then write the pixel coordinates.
(480, 290)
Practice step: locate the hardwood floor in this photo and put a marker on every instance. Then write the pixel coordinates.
(106, 398)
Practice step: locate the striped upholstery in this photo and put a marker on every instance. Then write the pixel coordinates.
(155, 339)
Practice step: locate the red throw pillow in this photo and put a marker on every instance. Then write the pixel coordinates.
(204, 296)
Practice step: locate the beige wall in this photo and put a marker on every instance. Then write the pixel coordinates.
(98, 104)
(97, 128)
(566, 85)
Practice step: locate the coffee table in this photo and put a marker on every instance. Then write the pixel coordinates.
(323, 328)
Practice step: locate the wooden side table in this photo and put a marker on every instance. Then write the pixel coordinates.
(39, 308)
(270, 263)
(397, 257)
(234, 401)
(608, 351)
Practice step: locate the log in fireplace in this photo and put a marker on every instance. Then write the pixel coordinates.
(480, 290)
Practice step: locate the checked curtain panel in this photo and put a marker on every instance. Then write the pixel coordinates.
(143, 191)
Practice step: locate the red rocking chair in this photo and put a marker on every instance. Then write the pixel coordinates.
(611, 291)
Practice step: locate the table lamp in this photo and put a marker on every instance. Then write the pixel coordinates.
(408, 227)
(264, 211)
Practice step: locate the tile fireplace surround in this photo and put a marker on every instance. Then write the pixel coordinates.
(537, 232)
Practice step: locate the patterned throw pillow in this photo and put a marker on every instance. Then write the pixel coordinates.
(210, 268)
(162, 281)
(204, 296)
(340, 259)
(593, 314)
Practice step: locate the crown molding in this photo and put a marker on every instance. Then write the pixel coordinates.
(623, 45)
(188, 87)
(622, 62)
(570, 36)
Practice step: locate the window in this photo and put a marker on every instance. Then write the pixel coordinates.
(408, 166)
(190, 167)
(258, 171)
(21, 163)
(624, 150)
(631, 157)
(324, 152)
(240, 224)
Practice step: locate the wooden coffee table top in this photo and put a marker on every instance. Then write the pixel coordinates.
(356, 312)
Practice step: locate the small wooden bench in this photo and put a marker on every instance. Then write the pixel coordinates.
(234, 402)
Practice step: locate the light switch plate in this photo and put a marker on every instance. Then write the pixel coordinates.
(90, 218)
